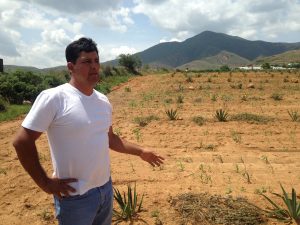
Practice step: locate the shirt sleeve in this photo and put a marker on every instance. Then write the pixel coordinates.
(41, 114)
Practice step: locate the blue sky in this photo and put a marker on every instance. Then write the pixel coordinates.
(36, 32)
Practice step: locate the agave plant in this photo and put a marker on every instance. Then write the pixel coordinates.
(294, 115)
(128, 203)
(172, 114)
(293, 207)
(221, 115)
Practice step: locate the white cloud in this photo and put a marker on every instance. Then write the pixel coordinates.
(253, 19)
(111, 53)
(36, 32)
(180, 36)
(55, 29)
(75, 7)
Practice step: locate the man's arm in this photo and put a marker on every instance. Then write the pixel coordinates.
(25, 146)
(120, 145)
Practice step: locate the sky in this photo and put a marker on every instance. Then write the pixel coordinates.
(36, 32)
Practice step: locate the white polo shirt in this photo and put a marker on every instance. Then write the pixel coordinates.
(77, 128)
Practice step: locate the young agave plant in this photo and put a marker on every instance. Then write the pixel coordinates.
(294, 115)
(221, 115)
(172, 114)
(293, 207)
(128, 203)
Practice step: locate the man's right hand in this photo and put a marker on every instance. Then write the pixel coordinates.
(58, 187)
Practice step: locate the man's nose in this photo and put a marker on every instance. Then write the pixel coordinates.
(95, 65)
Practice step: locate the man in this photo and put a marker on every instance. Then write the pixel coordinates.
(78, 122)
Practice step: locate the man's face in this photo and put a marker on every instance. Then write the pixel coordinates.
(86, 69)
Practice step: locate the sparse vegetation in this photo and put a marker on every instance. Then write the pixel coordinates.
(251, 118)
(199, 120)
(261, 130)
(143, 121)
(277, 96)
(215, 209)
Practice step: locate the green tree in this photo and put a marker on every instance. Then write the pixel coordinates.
(131, 62)
(23, 85)
(224, 68)
(266, 66)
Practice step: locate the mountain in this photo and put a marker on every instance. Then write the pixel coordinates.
(283, 58)
(207, 44)
(12, 68)
(214, 62)
(209, 50)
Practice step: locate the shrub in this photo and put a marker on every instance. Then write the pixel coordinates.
(189, 79)
(249, 117)
(143, 121)
(3, 104)
(180, 99)
(199, 120)
(277, 96)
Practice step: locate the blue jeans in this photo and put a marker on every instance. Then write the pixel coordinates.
(92, 208)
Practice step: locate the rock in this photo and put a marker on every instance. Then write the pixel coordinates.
(250, 85)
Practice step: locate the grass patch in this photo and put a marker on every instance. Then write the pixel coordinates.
(14, 111)
(251, 118)
(199, 120)
(143, 121)
(107, 83)
(214, 209)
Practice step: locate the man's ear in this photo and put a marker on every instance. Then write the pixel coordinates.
(70, 66)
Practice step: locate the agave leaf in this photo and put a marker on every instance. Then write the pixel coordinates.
(134, 198)
(140, 205)
(298, 210)
(273, 203)
(294, 203)
(119, 198)
(287, 201)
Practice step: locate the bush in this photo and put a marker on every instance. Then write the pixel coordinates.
(3, 104)
(25, 85)
(131, 62)
(199, 120)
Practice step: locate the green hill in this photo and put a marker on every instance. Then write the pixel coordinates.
(215, 62)
(207, 44)
(279, 59)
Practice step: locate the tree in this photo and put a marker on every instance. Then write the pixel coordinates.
(266, 66)
(224, 68)
(131, 62)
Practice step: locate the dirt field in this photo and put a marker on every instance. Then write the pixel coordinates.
(238, 158)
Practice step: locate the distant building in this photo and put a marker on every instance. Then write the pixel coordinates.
(250, 67)
(1, 66)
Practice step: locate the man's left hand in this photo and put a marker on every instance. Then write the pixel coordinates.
(152, 158)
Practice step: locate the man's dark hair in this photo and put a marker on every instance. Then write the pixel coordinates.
(81, 45)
